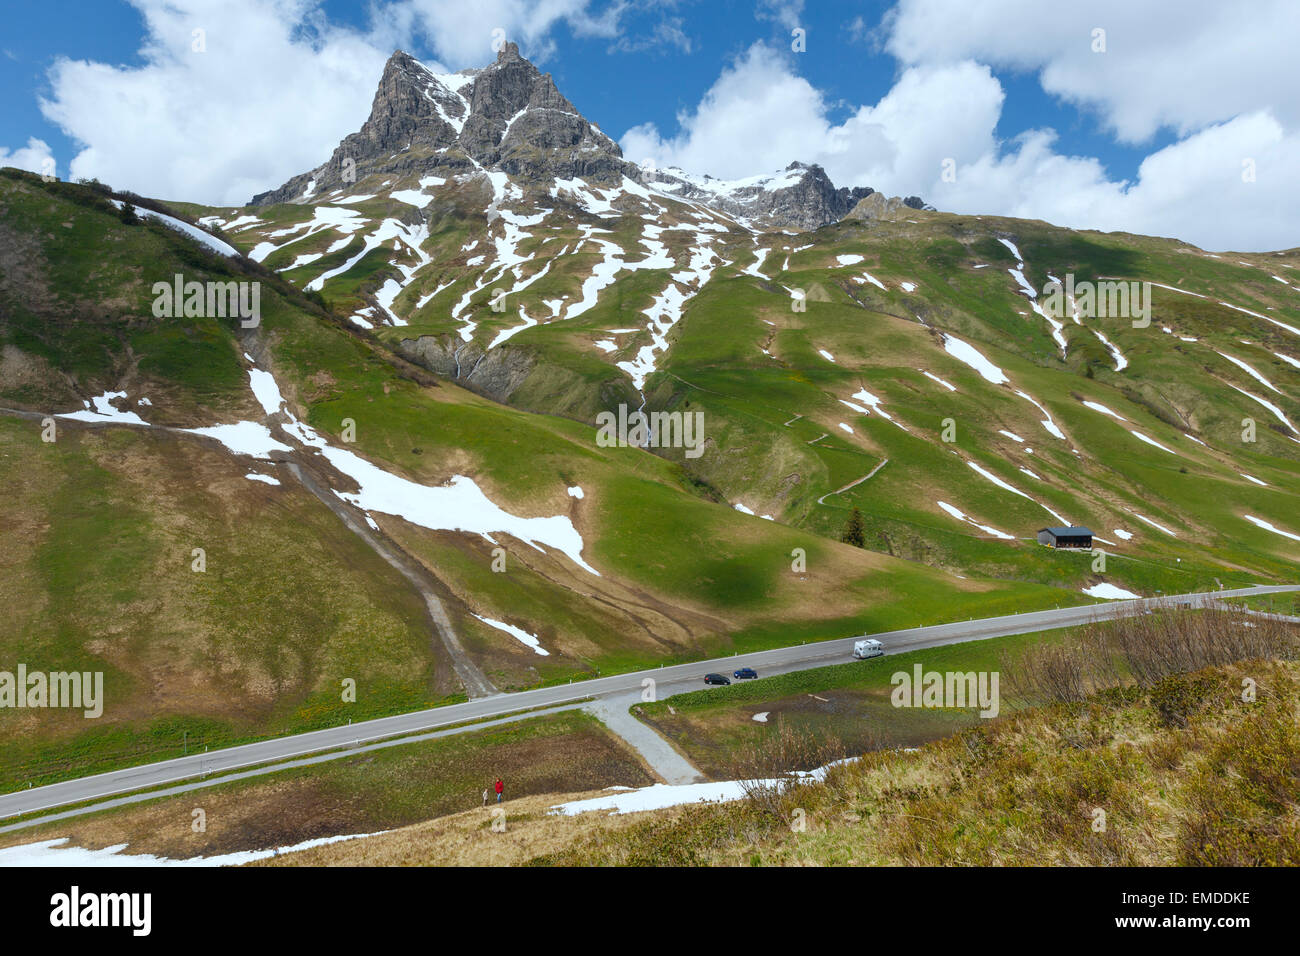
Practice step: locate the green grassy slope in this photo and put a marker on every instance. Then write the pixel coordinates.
(102, 522)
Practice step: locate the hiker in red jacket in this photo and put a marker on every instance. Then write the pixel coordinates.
(499, 787)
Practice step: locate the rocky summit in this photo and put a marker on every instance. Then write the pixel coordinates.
(801, 196)
(507, 116)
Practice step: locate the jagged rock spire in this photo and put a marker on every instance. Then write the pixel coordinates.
(508, 115)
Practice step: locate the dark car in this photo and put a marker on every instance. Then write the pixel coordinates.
(715, 679)
(745, 673)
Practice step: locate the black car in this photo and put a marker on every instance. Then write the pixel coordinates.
(715, 679)
(745, 673)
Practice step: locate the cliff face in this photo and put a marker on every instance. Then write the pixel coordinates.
(507, 116)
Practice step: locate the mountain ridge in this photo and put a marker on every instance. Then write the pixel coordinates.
(511, 117)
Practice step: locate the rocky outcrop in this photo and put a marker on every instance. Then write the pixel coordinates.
(813, 201)
(880, 207)
(801, 196)
(496, 373)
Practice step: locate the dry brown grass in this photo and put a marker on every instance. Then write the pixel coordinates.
(1145, 649)
(467, 839)
(1219, 786)
(364, 793)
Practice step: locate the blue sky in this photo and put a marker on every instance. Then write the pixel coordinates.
(615, 87)
(1014, 95)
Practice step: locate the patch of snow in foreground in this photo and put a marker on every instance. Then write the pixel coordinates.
(194, 232)
(1047, 422)
(1158, 527)
(1261, 523)
(998, 481)
(761, 717)
(1109, 592)
(873, 401)
(1267, 404)
(265, 390)
(849, 260)
(961, 516)
(104, 411)
(267, 479)
(517, 632)
(963, 352)
(1262, 484)
(457, 506)
(656, 797)
(243, 438)
(575, 492)
(826, 355)
(1098, 407)
(50, 853)
(661, 795)
(1121, 533)
(1151, 441)
(936, 378)
(1250, 370)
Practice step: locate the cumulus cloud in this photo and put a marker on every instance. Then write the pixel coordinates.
(261, 92)
(265, 88)
(1225, 184)
(34, 157)
(759, 115)
(787, 13)
(1181, 64)
(464, 34)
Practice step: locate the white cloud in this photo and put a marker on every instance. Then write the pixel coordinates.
(1181, 64)
(271, 95)
(946, 103)
(35, 157)
(276, 89)
(787, 13)
(755, 118)
(463, 34)
(759, 115)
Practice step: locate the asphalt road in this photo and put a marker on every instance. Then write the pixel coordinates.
(668, 681)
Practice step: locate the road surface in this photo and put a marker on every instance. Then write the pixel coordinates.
(668, 681)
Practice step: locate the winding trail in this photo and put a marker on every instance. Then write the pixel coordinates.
(475, 681)
(854, 483)
(308, 467)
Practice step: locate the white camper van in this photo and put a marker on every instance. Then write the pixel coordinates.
(869, 648)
